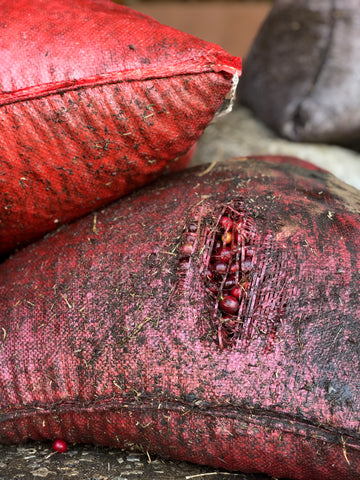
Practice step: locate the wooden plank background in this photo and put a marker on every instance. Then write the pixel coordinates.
(232, 25)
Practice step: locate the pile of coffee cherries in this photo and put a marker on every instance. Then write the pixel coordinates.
(227, 265)
(228, 275)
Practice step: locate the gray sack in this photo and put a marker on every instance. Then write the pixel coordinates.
(302, 75)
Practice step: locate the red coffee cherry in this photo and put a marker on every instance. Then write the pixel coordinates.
(229, 283)
(226, 223)
(240, 290)
(219, 267)
(186, 249)
(234, 267)
(229, 304)
(59, 445)
(246, 264)
(236, 292)
(223, 254)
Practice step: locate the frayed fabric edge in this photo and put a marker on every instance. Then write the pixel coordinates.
(230, 98)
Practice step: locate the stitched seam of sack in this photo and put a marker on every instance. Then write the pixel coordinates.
(297, 122)
(48, 89)
(254, 416)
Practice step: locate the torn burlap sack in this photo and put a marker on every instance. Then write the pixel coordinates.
(212, 317)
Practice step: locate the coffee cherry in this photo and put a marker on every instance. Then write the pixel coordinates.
(229, 304)
(223, 254)
(219, 267)
(186, 249)
(226, 223)
(59, 445)
(217, 244)
(246, 265)
(212, 287)
(190, 238)
(236, 292)
(234, 267)
(226, 238)
(229, 282)
(192, 227)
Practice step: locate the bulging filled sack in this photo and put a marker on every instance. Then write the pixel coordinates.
(302, 72)
(211, 317)
(96, 100)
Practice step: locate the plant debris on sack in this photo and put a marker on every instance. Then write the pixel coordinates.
(211, 317)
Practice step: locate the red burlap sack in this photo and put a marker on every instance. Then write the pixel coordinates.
(212, 317)
(95, 100)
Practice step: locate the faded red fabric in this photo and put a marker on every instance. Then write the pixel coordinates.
(96, 100)
(111, 335)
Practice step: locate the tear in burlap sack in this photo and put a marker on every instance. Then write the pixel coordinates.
(96, 100)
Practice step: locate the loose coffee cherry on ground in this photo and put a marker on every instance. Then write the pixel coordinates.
(229, 304)
(59, 446)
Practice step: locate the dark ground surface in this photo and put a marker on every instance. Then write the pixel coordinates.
(37, 461)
